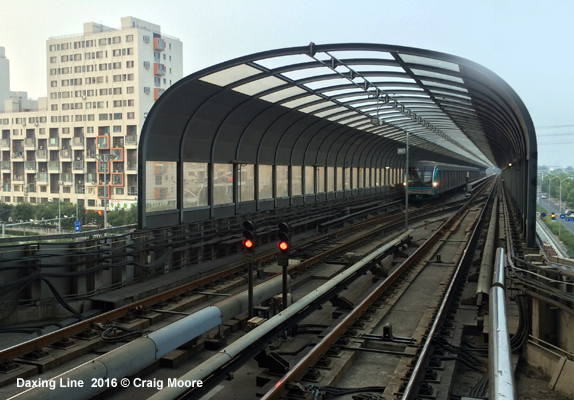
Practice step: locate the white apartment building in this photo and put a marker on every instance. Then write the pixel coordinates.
(100, 86)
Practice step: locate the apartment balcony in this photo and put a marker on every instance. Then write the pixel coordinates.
(42, 154)
(66, 153)
(17, 155)
(158, 69)
(158, 44)
(132, 166)
(6, 165)
(29, 143)
(119, 153)
(78, 142)
(91, 178)
(18, 178)
(53, 165)
(42, 177)
(131, 140)
(53, 142)
(30, 165)
(132, 191)
(6, 187)
(66, 178)
(78, 165)
(4, 143)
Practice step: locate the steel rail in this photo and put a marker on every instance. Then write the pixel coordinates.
(411, 388)
(22, 349)
(299, 370)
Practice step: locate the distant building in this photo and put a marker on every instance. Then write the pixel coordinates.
(100, 86)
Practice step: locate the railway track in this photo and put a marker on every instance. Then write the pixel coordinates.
(228, 281)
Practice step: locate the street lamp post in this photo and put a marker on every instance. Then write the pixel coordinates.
(105, 158)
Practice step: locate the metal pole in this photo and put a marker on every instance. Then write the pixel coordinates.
(560, 222)
(407, 185)
(60, 206)
(250, 290)
(105, 195)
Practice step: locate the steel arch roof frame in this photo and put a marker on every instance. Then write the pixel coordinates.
(317, 101)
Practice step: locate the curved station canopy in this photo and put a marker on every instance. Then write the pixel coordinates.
(319, 122)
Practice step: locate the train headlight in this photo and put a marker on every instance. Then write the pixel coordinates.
(434, 184)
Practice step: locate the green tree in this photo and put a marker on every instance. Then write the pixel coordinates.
(5, 211)
(23, 212)
(93, 218)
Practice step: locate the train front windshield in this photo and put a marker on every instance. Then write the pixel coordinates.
(420, 176)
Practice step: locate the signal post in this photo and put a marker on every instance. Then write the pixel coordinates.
(283, 256)
(249, 232)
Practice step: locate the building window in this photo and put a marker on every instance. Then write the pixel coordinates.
(118, 90)
(129, 64)
(130, 89)
(130, 115)
(64, 58)
(129, 38)
(117, 115)
(54, 83)
(116, 39)
(53, 60)
(117, 128)
(103, 117)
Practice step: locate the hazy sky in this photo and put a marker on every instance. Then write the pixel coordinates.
(528, 43)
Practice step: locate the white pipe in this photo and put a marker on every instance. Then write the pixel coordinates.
(205, 369)
(136, 355)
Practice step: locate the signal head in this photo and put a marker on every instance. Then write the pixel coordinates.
(248, 244)
(283, 246)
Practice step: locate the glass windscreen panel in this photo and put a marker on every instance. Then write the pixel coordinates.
(194, 184)
(160, 186)
(420, 176)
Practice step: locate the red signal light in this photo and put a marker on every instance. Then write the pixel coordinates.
(248, 244)
(283, 246)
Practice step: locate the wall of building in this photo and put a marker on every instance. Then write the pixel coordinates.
(100, 85)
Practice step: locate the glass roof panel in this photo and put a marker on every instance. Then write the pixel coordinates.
(329, 112)
(429, 74)
(340, 117)
(305, 73)
(303, 100)
(230, 75)
(281, 61)
(442, 85)
(436, 92)
(335, 81)
(431, 62)
(283, 94)
(314, 107)
(260, 85)
(341, 55)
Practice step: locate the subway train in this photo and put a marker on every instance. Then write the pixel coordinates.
(429, 179)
